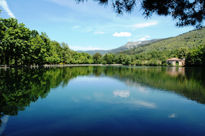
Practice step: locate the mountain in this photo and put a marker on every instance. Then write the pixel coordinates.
(158, 46)
(187, 40)
(92, 52)
(127, 46)
(131, 45)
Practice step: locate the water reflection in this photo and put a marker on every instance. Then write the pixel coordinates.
(173, 115)
(4, 121)
(20, 87)
(122, 93)
(176, 71)
(141, 103)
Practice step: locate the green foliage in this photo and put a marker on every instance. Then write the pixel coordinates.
(123, 59)
(187, 40)
(158, 52)
(108, 58)
(97, 58)
(185, 12)
(21, 46)
(196, 57)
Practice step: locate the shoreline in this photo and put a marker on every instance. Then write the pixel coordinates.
(78, 65)
(57, 65)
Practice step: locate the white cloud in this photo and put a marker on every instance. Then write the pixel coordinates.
(144, 38)
(122, 34)
(5, 6)
(99, 32)
(122, 93)
(173, 115)
(143, 25)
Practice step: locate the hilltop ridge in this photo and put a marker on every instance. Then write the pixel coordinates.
(187, 40)
(127, 46)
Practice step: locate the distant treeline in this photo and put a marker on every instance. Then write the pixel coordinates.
(194, 56)
(22, 46)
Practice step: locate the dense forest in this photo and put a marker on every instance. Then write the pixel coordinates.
(20, 46)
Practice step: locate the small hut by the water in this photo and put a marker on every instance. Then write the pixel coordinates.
(176, 62)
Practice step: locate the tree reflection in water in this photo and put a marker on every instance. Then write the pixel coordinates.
(20, 87)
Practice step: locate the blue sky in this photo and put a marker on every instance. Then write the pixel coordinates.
(88, 25)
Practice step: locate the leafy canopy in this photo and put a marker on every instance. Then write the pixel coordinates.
(185, 12)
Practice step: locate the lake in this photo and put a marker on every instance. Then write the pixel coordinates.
(102, 101)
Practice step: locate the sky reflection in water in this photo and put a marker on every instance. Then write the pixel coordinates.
(103, 101)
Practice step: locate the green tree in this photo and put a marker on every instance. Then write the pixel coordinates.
(54, 56)
(185, 12)
(196, 57)
(14, 40)
(108, 58)
(97, 58)
(66, 53)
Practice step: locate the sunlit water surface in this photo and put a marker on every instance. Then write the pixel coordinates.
(105, 101)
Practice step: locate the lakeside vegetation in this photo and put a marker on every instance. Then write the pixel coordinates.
(20, 46)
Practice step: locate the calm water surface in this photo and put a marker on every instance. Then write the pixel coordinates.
(105, 101)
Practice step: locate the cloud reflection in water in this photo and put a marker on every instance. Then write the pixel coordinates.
(122, 93)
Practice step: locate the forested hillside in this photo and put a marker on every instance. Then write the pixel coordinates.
(187, 40)
(160, 50)
(131, 45)
(127, 46)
